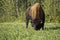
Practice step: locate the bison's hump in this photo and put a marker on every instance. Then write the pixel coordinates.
(34, 10)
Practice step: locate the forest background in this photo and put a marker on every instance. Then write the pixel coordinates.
(14, 10)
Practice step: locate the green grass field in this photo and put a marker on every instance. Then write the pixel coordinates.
(18, 31)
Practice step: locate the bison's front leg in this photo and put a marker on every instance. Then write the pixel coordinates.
(27, 21)
(42, 26)
(43, 23)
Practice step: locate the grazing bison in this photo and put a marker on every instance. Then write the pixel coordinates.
(36, 14)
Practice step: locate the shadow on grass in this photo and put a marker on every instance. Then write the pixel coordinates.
(53, 28)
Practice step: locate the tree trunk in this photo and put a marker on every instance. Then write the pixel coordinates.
(26, 3)
(17, 12)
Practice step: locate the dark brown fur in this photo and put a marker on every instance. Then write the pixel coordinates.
(36, 14)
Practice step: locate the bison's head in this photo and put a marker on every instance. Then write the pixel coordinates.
(36, 24)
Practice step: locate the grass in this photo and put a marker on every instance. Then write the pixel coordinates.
(18, 31)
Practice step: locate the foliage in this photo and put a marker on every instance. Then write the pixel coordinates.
(11, 11)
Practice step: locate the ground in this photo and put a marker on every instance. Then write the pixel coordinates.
(18, 31)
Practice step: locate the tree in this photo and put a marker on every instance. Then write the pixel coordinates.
(17, 12)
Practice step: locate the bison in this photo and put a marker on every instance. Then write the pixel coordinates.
(36, 14)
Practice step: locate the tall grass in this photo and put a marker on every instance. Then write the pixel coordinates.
(18, 31)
